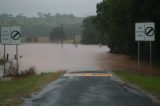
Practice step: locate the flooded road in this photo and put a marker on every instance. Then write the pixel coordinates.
(51, 57)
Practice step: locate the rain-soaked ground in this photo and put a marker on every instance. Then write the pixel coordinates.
(88, 91)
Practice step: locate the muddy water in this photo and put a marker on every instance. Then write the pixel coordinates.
(51, 57)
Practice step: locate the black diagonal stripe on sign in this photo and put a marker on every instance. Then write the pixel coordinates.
(15, 35)
(149, 30)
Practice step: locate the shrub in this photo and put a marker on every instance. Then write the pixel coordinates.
(30, 71)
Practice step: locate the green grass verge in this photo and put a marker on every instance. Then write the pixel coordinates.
(149, 84)
(11, 91)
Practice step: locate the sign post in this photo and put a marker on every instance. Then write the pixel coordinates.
(138, 56)
(11, 36)
(145, 32)
(150, 58)
(61, 35)
(4, 72)
(5, 40)
(150, 36)
(15, 40)
(139, 36)
(17, 59)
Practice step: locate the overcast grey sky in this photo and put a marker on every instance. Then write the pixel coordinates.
(31, 7)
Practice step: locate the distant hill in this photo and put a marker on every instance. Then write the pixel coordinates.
(42, 25)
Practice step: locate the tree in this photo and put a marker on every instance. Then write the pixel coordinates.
(57, 35)
(89, 33)
(120, 16)
(42, 25)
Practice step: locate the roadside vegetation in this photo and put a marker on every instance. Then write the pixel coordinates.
(90, 35)
(12, 91)
(115, 23)
(147, 82)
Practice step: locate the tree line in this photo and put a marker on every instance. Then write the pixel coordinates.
(116, 21)
(42, 24)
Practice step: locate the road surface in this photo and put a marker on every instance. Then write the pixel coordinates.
(88, 91)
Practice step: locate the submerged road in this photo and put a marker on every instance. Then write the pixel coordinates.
(88, 90)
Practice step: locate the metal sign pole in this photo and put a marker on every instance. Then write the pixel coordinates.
(145, 32)
(61, 35)
(17, 59)
(75, 39)
(4, 73)
(138, 55)
(150, 57)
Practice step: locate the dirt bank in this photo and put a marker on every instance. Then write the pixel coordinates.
(123, 62)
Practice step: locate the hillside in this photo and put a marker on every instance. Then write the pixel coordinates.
(42, 25)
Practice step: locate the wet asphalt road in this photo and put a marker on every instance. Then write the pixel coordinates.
(88, 91)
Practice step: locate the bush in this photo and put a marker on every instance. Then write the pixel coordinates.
(27, 72)
(2, 61)
(30, 71)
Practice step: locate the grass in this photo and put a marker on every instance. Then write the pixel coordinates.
(11, 91)
(148, 83)
(78, 41)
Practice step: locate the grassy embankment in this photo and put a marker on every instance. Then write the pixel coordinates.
(11, 91)
(148, 83)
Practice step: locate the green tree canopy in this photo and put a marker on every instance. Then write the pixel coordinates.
(117, 18)
(90, 35)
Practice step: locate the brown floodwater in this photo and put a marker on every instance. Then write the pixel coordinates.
(51, 57)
